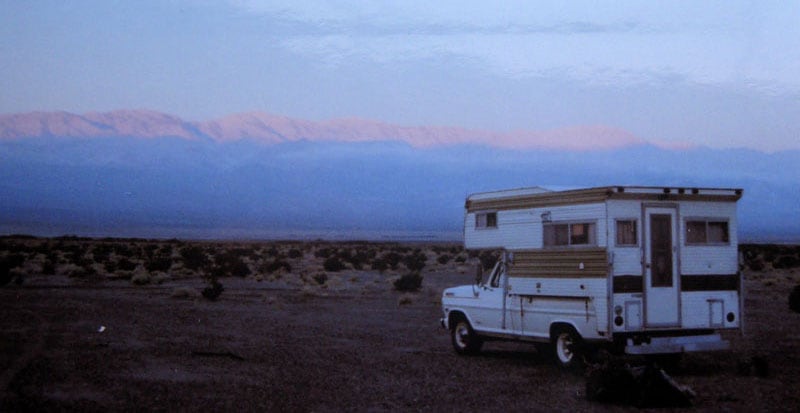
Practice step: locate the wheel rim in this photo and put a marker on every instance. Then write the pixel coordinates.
(564, 347)
(462, 335)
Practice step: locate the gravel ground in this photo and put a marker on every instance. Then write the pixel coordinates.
(353, 344)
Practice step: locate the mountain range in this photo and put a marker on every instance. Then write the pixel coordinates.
(149, 174)
(273, 129)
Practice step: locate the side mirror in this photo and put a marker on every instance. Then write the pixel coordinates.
(478, 274)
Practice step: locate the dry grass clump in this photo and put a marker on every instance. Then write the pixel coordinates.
(185, 292)
(405, 299)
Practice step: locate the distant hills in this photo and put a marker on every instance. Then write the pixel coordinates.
(142, 173)
(273, 129)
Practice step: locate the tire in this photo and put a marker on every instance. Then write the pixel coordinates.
(464, 339)
(567, 347)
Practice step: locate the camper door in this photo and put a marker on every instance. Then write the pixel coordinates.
(661, 289)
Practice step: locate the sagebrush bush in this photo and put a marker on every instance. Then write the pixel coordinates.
(230, 264)
(333, 264)
(408, 282)
(786, 262)
(380, 264)
(159, 263)
(194, 257)
(415, 261)
(794, 299)
(7, 264)
(320, 278)
(213, 290)
(443, 259)
(270, 267)
(125, 264)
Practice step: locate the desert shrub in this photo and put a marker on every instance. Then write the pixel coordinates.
(194, 257)
(408, 282)
(323, 252)
(794, 299)
(488, 258)
(125, 264)
(380, 264)
(404, 300)
(229, 263)
(140, 278)
(110, 266)
(7, 264)
(123, 250)
(295, 253)
(275, 265)
(101, 252)
(320, 278)
(443, 259)
(213, 290)
(460, 259)
(360, 258)
(243, 252)
(392, 259)
(786, 261)
(333, 264)
(158, 262)
(149, 249)
(48, 267)
(415, 261)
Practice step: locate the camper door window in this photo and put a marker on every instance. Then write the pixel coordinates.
(486, 220)
(569, 234)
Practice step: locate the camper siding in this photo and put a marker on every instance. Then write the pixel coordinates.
(514, 227)
(626, 260)
(709, 309)
(522, 228)
(711, 259)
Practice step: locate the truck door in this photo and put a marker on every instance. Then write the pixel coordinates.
(661, 290)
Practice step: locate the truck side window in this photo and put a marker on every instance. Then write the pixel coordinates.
(498, 270)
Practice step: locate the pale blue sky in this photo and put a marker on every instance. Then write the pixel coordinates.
(719, 74)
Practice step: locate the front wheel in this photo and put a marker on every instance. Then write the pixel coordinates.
(464, 339)
(566, 347)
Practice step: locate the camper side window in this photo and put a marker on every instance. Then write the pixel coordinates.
(572, 234)
(707, 231)
(486, 220)
(626, 233)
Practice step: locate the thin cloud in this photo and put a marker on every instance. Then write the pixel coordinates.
(611, 46)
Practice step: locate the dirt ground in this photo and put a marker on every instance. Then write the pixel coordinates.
(350, 343)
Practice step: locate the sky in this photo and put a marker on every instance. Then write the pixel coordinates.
(722, 74)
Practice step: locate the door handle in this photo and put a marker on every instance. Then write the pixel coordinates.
(647, 265)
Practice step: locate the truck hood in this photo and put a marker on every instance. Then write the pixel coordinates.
(462, 291)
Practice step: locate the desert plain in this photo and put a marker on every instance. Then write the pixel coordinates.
(130, 324)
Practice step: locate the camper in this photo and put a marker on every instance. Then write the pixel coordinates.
(640, 270)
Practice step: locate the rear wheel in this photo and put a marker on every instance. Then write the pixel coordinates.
(464, 339)
(567, 347)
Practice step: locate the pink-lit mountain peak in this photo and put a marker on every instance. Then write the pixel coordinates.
(270, 129)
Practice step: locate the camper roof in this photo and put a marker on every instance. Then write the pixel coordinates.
(538, 196)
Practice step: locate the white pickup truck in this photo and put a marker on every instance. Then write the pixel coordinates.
(641, 270)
